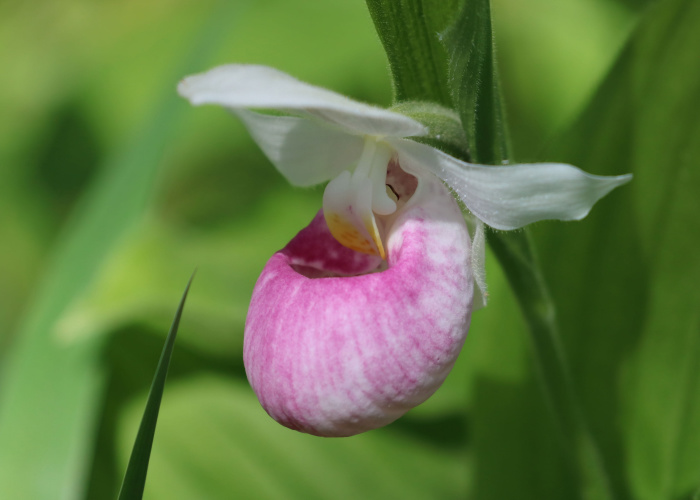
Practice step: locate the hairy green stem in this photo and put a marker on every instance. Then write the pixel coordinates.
(442, 51)
(514, 251)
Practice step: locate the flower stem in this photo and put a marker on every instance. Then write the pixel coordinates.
(515, 252)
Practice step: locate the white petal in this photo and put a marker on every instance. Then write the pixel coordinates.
(513, 196)
(240, 86)
(305, 152)
(478, 263)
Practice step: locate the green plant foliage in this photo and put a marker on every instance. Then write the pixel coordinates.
(476, 89)
(409, 31)
(135, 282)
(624, 281)
(52, 386)
(474, 84)
(627, 289)
(137, 469)
(242, 453)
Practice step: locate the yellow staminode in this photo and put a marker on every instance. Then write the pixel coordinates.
(349, 235)
(351, 200)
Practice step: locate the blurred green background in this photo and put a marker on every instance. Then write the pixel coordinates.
(113, 189)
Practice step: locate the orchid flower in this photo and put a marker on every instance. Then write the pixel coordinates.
(362, 315)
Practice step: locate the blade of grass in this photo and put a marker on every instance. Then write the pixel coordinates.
(135, 477)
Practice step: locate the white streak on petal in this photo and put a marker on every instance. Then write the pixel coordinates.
(478, 264)
(305, 152)
(240, 86)
(511, 197)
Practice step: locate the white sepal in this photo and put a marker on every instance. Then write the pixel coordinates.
(511, 197)
(305, 152)
(238, 86)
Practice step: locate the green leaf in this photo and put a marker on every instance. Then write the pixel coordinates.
(135, 476)
(473, 78)
(133, 284)
(52, 388)
(582, 457)
(410, 32)
(215, 441)
(628, 288)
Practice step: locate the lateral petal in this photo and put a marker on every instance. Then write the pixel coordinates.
(510, 197)
(304, 151)
(247, 86)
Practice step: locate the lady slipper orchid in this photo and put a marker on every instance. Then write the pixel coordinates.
(362, 315)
